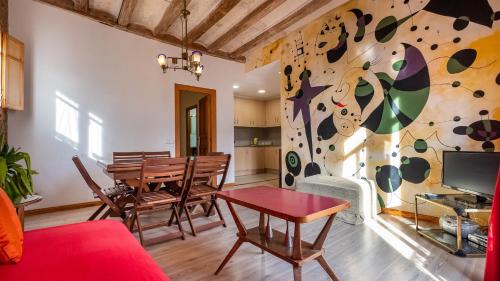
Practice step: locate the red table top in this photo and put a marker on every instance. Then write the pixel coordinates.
(286, 204)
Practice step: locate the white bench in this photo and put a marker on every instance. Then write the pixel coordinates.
(362, 193)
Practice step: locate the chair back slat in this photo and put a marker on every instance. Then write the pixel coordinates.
(163, 170)
(93, 185)
(156, 154)
(127, 157)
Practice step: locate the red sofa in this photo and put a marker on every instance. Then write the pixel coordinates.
(89, 251)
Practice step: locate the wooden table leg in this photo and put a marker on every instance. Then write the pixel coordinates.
(297, 273)
(242, 232)
(262, 227)
(318, 245)
(327, 268)
(297, 243)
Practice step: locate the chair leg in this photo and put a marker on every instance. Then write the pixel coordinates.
(132, 222)
(214, 202)
(189, 220)
(97, 212)
(106, 214)
(179, 222)
(210, 208)
(139, 228)
(172, 216)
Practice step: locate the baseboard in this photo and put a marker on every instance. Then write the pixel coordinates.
(409, 215)
(62, 208)
(82, 205)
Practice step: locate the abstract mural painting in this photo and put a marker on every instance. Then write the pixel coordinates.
(388, 85)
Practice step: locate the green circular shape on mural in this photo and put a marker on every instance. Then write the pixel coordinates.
(469, 130)
(399, 65)
(332, 147)
(420, 146)
(292, 160)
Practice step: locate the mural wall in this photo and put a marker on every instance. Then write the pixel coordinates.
(378, 89)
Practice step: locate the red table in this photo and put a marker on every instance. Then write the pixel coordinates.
(291, 206)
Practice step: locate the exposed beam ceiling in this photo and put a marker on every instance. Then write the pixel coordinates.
(282, 25)
(223, 28)
(126, 10)
(81, 5)
(257, 14)
(217, 14)
(170, 15)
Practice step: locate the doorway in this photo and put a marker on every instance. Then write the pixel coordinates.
(195, 120)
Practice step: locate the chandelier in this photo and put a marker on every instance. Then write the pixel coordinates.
(191, 63)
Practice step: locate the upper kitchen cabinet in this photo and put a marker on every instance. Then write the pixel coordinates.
(256, 113)
(273, 113)
(12, 72)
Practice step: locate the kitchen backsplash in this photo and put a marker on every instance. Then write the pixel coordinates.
(243, 135)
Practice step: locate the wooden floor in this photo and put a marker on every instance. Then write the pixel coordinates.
(384, 249)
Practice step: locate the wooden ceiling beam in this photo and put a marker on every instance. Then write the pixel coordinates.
(81, 5)
(282, 25)
(217, 14)
(108, 19)
(253, 17)
(126, 11)
(171, 14)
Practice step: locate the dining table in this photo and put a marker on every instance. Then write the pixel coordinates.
(291, 206)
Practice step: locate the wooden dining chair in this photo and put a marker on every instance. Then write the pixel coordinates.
(202, 188)
(114, 198)
(159, 171)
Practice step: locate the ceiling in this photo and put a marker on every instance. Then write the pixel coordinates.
(264, 78)
(222, 28)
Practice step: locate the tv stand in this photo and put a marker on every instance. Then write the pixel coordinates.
(457, 245)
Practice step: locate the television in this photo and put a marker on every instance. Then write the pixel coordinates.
(471, 172)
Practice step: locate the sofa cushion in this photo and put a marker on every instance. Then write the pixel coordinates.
(11, 232)
(89, 251)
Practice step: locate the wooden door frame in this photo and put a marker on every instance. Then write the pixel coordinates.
(213, 117)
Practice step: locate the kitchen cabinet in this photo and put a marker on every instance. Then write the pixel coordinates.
(273, 113)
(256, 113)
(249, 160)
(272, 157)
(248, 113)
(254, 159)
(12, 70)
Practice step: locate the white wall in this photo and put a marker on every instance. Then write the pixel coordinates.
(112, 74)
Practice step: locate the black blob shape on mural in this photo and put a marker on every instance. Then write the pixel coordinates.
(461, 60)
(388, 178)
(292, 161)
(461, 23)
(288, 72)
(497, 80)
(387, 27)
(289, 179)
(478, 94)
(337, 52)
(312, 169)
(414, 169)
(411, 91)
(363, 93)
(477, 11)
(362, 21)
(485, 130)
(320, 106)
(327, 129)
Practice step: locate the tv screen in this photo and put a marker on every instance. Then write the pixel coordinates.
(472, 172)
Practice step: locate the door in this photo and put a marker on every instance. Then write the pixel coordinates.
(204, 126)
